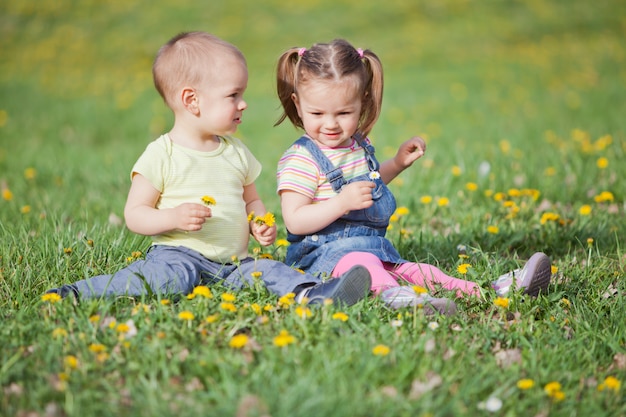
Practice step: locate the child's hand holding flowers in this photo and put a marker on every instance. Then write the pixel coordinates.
(263, 228)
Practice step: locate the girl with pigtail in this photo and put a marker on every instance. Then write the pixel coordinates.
(334, 198)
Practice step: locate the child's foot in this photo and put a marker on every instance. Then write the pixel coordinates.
(405, 296)
(348, 289)
(533, 278)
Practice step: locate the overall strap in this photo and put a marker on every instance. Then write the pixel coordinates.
(333, 175)
(372, 162)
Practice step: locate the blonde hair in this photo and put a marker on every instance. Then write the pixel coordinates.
(331, 61)
(185, 60)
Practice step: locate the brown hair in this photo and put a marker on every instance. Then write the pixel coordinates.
(331, 61)
(185, 60)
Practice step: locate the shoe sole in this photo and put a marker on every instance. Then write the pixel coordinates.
(539, 269)
(354, 286)
(405, 297)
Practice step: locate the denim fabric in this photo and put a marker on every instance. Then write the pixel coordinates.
(177, 270)
(358, 231)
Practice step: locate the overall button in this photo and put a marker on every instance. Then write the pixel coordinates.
(315, 238)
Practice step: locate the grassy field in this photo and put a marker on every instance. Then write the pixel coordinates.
(522, 105)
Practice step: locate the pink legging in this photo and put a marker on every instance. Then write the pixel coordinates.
(384, 274)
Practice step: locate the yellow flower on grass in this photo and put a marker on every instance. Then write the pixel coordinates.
(212, 318)
(471, 186)
(228, 297)
(25, 209)
(256, 274)
(502, 302)
(122, 328)
(186, 315)
(610, 384)
(228, 307)
(340, 316)
(51, 298)
(402, 211)
(426, 199)
(286, 300)
(30, 173)
(165, 302)
(208, 201)
(549, 217)
(419, 289)
(7, 194)
(71, 361)
(256, 309)
(203, 291)
(282, 243)
(97, 348)
(494, 230)
(456, 171)
(602, 162)
(59, 332)
(284, 339)
(303, 312)
(463, 268)
(553, 390)
(584, 210)
(381, 350)
(238, 341)
(554, 269)
(603, 197)
(525, 384)
(443, 201)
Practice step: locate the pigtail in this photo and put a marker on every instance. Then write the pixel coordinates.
(285, 84)
(373, 94)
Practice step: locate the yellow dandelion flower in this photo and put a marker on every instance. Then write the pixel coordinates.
(165, 302)
(551, 388)
(256, 309)
(256, 274)
(602, 163)
(51, 298)
(565, 302)
(402, 211)
(456, 170)
(266, 256)
(94, 318)
(25, 209)
(549, 172)
(97, 348)
(610, 383)
(282, 243)
(250, 216)
(284, 338)
(340, 316)
(212, 318)
(208, 201)
(303, 312)
(443, 201)
(502, 302)
(67, 251)
(471, 186)
(394, 218)
(228, 297)
(494, 230)
(267, 219)
(549, 217)
(554, 269)
(603, 197)
(59, 333)
(7, 194)
(589, 241)
(499, 196)
(228, 306)
(286, 300)
(203, 291)
(186, 315)
(584, 210)
(71, 361)
(514, 192)
(525, 384)
(238, 341)
(426, 199)
(505, 146)
(381, 350)
(30, 173)
(122, 328)
(419, 289)
(462, 269)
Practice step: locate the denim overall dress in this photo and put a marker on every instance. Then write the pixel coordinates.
(358, 231)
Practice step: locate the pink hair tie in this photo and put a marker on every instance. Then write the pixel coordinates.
(360, 52)
(301, 51)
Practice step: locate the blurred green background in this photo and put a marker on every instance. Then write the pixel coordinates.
(536, 79)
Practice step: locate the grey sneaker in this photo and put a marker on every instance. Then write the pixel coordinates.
(533, 278)
(346, 290)
(404, 296)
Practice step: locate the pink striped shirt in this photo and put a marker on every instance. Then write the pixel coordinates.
(298, 171)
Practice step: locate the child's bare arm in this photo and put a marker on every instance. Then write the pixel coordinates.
(302, 217)
(144, 218)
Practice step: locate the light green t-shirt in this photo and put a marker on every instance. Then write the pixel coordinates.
(184, 175)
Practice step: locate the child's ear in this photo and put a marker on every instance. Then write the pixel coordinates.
(189, 99)
(296, 102)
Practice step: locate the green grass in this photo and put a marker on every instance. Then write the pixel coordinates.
(536, 89)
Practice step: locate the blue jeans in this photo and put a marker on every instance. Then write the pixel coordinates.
(177, 270)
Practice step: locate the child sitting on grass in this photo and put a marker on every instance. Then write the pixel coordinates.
(333, 192)
(193, 191)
